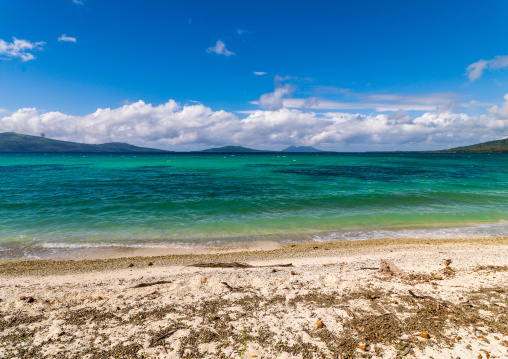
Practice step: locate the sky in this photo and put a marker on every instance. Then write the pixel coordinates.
(188, 75)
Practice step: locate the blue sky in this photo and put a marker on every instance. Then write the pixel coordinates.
(322, 61)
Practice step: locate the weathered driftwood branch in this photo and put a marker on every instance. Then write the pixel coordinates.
(234, 265)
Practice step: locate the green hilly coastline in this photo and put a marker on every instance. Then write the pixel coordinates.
(498, 146)
(232, 149)
(14, 142)
(301, 149)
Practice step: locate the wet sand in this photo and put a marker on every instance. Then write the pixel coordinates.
(332, 302)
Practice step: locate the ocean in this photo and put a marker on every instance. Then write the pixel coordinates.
(52, 204)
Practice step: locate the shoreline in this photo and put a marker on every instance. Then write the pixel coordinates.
(268, 251)
(333, 302)
(50, 250)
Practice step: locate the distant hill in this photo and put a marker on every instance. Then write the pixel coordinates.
(232, 149)
(499, 146)
(301, 149)
(14, 142)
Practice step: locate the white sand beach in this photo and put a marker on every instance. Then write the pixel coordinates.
(333, 302)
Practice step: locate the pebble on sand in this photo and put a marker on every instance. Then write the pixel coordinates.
(424, 335)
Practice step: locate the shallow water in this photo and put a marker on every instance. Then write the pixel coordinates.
(58, 202)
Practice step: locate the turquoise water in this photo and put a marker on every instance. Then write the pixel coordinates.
(55, 202)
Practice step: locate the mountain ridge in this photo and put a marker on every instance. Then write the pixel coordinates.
(12, 142)
(232, 149)
(496, 146)
(301, 149)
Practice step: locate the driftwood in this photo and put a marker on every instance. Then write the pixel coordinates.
(234, 265)
(389, 268)
(142, 285)
(237, 289)
(438, 302)
(162, 336)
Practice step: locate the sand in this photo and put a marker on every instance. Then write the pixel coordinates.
(331, 303)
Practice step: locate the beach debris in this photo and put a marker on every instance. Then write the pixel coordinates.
(319, 323)
(372, 296)
(214, 317)
(27, 299)
(362, 348)
(131, 265)
(235, 265)
(424, 335)
(142, 285)
(467, 303)
(407, 350)
(238, 289)
(163, 334)
(316, 247)
(389, 268)
(150, 263)
(438, 302)
(274, 270)
(293, 272)
(447, 262)
(435, 276)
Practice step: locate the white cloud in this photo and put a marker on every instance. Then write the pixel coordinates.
(259, 73)
(379, 102)
(19, 48)
(78, 2)
(220, 49)
(476, 69)
(318, 104)
(65, 38)
(178, 127)
(275, 100)
(282, 98)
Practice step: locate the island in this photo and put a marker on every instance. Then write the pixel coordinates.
(498, 146)
(14, 142)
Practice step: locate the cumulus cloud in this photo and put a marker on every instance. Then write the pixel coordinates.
(172, 126)
(476, 69)
(220, 49)
(285, 96)
(443, 101)
(65, 38)
(19, 49)
(275, 100)
(259, 73)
